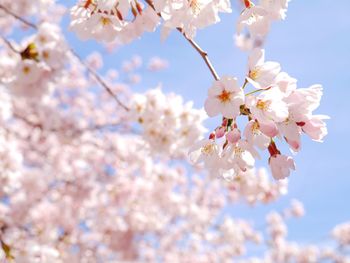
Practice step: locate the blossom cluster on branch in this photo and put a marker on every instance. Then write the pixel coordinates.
(106, 20)
(273, 106)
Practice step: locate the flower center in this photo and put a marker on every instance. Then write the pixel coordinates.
(287, 121)
(46, 54)
(262, 105)
(105, 21)
(238, 151)
(254, 73)
(195, 6)
(207, 149)
(26, 70)
(225, 96)
(256, 128)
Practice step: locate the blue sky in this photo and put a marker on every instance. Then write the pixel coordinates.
(312, 45)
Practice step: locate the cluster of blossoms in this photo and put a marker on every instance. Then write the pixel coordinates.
(169, 125)
(36, 64)
(275, 109)
(254, 186)
(255, 21)
(342, 234)
(282, 250)
(6, 105)
(44, 10)
(280, 110)
(125, 20)
(11, 160)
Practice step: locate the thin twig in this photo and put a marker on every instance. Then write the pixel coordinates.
(89, 69)
(24, 21)
(29, 122)
(255, 91)
(201, 52)
(96, 127)
(100, 80)
(9, 44)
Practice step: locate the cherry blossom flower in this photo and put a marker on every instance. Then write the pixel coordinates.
(207, 152)
(268, 108)
(301, 104)
(254, 136)
(277, 8)
(256, 20)
(233, 136)
(281, 166)
(261, 74)
(239, 156)
(225, 97)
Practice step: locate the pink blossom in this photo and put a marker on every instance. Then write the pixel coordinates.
(233, 136)
(261, 74)
(268, 108)
(255, 19)
(225, 97)
(255, 136)
(281, 165)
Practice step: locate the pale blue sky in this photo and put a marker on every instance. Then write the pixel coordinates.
(312, 45)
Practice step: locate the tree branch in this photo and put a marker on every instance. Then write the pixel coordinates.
(9, 44)
(39, 126)
(201, 52)
(24, 21)
(99, 79)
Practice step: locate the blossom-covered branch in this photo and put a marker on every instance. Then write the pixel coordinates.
(89, 69)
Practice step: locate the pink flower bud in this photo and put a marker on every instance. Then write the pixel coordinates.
(233, 136)
(212, 136)
(220, 132)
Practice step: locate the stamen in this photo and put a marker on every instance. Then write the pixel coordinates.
(225, 96)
